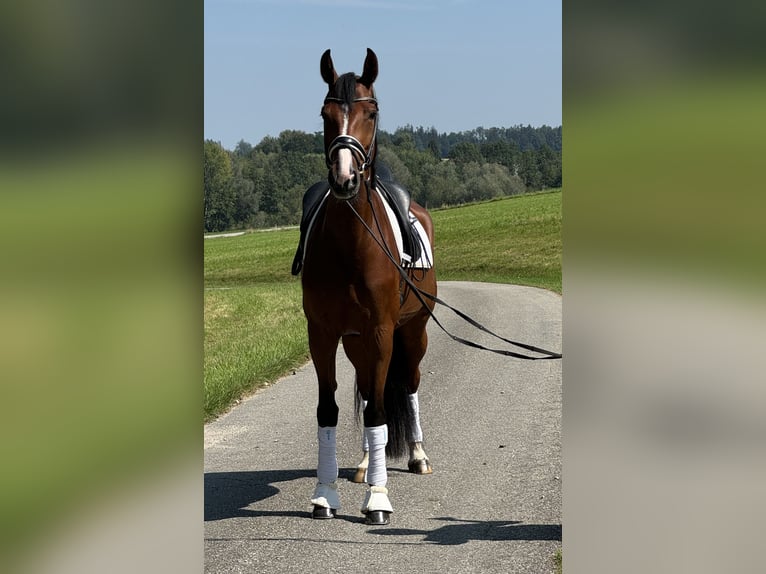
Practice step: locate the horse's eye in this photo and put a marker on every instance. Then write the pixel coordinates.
(373, 114)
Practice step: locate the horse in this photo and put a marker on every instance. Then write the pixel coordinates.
(352, 292)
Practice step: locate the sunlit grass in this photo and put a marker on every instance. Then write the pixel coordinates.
(516, 240)
(253, 334)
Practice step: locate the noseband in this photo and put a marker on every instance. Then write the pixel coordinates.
(362, 156)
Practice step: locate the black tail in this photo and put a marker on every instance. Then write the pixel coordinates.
(396, 402)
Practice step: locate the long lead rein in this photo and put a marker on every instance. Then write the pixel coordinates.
(420, 294)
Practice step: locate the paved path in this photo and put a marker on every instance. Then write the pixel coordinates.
(492, 429)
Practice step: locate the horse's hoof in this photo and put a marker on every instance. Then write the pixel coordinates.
(323, 513)
(361, 476)
(422, 466)
(377, 518)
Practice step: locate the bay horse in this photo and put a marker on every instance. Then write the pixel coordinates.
(353, 293)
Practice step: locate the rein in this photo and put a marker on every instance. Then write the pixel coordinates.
(422, 295)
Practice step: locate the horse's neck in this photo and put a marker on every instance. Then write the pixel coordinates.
(344, 218)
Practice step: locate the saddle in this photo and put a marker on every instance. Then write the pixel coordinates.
(397, 197)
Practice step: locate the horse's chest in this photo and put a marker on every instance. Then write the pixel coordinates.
(352, 308)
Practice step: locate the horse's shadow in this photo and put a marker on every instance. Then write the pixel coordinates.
(228, 494)
(459, 531)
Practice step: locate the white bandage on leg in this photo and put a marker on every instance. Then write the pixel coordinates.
(415, 432)
(327, 465)
(326, 496)
(377, 438)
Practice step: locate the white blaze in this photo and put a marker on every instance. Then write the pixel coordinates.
(345, 157)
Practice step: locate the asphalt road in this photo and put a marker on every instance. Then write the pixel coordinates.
(492, 428)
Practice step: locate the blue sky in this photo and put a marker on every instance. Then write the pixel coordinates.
(451, 64)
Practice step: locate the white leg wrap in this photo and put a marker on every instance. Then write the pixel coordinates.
(377, 437)
(415, 432)
(327, 465)
(326, 496)
(376, 499)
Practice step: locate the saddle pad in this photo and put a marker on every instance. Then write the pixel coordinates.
(426, 257)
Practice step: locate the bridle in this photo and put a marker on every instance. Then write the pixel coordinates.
(362, 156)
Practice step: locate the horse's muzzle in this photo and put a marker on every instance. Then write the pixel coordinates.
(346, 186)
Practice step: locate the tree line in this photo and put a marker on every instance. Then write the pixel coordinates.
(263, 185)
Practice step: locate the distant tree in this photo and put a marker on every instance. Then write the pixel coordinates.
(246, 198)
(465, 152)
(219, 195)
(442, 185)
(489, 180)
(404, 139)
(414, 159)
(525, 137)
(245, 202)
(291, 141)
(243, 149)
(269, 145)
(281, 179)
(529, 171)
(549, 166)
(501, 152)
(433, 147)
(399, 171)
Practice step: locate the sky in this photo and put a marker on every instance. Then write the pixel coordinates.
(454, 65)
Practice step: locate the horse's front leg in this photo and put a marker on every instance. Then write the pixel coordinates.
(371, 356)
(325, 498)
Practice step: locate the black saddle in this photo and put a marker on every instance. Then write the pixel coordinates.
(395, 195)
(399, 199)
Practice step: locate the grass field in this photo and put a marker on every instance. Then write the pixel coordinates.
(254, 325)
(512, 240)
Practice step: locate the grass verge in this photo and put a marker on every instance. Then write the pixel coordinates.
(253, 334)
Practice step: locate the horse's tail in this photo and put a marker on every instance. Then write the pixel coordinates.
(396, 402)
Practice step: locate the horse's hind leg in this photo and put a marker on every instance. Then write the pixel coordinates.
(414, 341)
(418, 461)
(325, 498)
(360, 476)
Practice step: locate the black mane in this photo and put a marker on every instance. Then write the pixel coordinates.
(345, 88)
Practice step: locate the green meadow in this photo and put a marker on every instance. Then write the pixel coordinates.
(254, 325)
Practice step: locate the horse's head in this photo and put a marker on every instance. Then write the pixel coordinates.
(350, 114)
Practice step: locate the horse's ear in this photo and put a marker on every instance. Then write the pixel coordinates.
(326, 67)
(370, 69)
